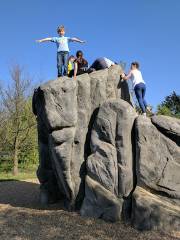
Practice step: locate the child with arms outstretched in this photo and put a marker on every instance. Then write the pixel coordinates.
(62, 49)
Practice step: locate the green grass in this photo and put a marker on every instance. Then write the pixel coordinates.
(22, 175)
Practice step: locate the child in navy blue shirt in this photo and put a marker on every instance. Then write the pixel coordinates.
(62, 49)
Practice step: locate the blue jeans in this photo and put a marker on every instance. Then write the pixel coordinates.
(62, 63)
(140, 90)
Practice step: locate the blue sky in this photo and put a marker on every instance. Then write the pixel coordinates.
(123, 30)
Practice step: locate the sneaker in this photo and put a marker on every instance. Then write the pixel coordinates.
(144, 114)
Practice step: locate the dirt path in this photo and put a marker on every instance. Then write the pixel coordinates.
(22, 218)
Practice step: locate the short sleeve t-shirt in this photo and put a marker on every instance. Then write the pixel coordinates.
(62, 43)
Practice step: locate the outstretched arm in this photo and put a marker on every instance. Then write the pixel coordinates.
(77, 40)
(44, 40)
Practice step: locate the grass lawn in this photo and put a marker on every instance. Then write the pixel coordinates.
(23, 174)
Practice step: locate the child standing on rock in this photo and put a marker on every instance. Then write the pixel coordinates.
(62, 49)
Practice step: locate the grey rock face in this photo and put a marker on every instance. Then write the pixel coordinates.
(66, 110)
(110, 167)
(151, 211)
(100, 203)
(60, 104)
(168, 126)
(157, 159)
(156, 199)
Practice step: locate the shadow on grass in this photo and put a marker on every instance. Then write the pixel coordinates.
(23, 194)
(7, 180)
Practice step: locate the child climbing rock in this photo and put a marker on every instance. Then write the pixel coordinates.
(101, 63)
(62, 49)
(138, 85)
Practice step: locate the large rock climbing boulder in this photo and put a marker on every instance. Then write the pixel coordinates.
(97, 155)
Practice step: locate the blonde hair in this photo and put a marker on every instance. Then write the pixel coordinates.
(61, 27)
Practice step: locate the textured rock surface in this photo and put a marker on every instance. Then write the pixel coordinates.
(150, 211)
(110, 167)
(156, 203)
(65, 111)
(157, 159)
(168, 126)
(100, 202)
(101, 158)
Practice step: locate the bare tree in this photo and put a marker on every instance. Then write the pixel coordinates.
(16, 118)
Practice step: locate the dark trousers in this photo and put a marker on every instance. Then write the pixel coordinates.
(99, 64)
(79, 72)
(62, 63)
(140, 90)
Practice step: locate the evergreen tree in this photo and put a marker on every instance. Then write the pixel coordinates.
(170, 106)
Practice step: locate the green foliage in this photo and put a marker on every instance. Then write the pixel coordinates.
(18, 134)
(170, 106)
(5, 165)
(28, 150)
(163, 110)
